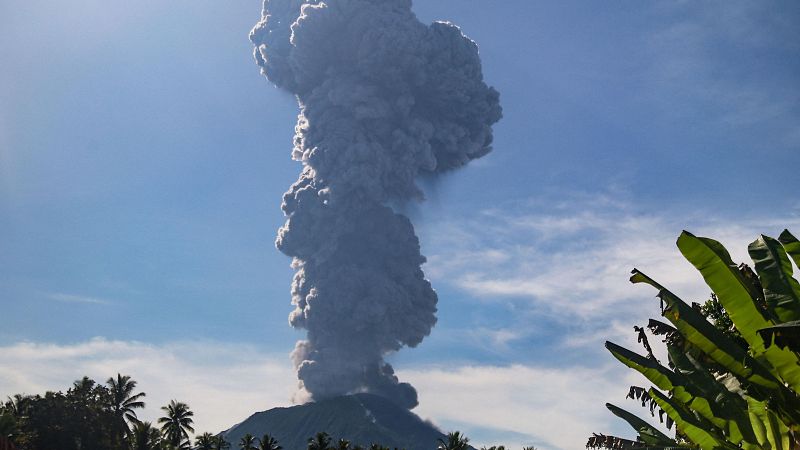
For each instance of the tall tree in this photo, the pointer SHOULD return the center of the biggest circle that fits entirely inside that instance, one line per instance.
(455, 441)
(177, 423)
(145, 436)
(221, 444)
(321, 441)
(123, 403)
(248, 442)
(8, 418)
(268, 442)
(204, 442)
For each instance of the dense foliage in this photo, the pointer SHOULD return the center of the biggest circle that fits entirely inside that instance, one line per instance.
(92, 416)
(732, 378)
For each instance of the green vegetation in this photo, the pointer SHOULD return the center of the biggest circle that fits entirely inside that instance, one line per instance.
(90, 416)
(268, 442)
(177, 424)
(248, 442)
(455, 441)
(205, 442)
(319, 442)
(732, 378)
(123, 404)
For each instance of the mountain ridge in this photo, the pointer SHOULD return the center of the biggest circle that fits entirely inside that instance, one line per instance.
(362, 419)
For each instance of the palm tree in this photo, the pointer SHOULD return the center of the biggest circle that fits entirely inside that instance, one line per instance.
(322, 441)
(221, 444)
(14, 405)
(204, 442)
(248, 442)
(11, 413)
(343, 444)
(145, 436)
(268, 443)
(455, 441)
(177, 423)
(123, 402)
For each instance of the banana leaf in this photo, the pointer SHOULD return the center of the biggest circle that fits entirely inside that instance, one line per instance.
(696, 431)
(771, 432)
(724, 395)
(781, 290)
(723, 277)
(700, 333)
(792, 246)
(648, 434)
(678, 385)
(784, 335)
(736, 295)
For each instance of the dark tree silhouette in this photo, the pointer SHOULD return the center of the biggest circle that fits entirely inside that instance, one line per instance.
(321, 441)
(177, 423)
(268, 442)
(205, 442)
(248, 442)
(123, 404)
(145, 436)
(455, 441)
(221, 444)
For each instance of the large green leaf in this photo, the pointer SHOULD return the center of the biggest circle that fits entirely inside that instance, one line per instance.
(723, 277)
(723, 395)
(678, 385)
(647, 433)
(771, 432)
(659, 375)
(785, 335)
(781, 290)
(693, 429)
(733, 358)
(735, 294)
(700, 333)
(792, 246)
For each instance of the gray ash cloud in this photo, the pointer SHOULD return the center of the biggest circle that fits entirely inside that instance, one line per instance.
(383, 100)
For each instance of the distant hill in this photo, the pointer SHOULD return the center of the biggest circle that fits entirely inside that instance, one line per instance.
(361, 418)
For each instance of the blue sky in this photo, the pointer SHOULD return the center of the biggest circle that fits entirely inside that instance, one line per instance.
(143, 158)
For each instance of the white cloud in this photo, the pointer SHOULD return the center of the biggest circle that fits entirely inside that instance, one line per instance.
(223, 383)
(571, 263)
(557, 408)
(70, 298)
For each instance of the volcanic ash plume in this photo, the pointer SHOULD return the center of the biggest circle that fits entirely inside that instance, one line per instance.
(383, 99)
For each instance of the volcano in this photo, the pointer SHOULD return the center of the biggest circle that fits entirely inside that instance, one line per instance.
(362, 419)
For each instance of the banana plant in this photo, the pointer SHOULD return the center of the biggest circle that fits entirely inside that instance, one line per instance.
(718, 392)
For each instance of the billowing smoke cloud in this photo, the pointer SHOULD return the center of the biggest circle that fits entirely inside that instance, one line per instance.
(383, 99)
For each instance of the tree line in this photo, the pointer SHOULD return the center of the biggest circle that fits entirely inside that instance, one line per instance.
(93, 416)
(323, 441)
